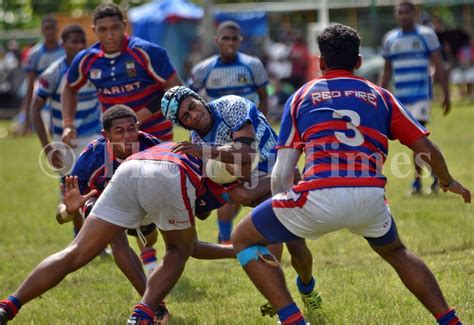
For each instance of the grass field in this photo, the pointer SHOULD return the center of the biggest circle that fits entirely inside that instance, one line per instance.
(357, 287)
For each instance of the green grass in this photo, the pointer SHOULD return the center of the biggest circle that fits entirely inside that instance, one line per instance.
(357, 287)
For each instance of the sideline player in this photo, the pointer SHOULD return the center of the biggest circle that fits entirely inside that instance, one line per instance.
(343, 123)
(230, 73)
(408, 51)
(125, 70)
(48, 97)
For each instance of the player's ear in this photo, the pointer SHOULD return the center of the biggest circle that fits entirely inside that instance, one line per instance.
(124, 22)
(138, 125)
(93, 28)
(104, 133)
(322, 63)
(359, 62)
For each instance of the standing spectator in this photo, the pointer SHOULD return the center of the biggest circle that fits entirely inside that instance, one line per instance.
(48, 97)
(125, 70)
(408, 51)
(41, 56)
(299, 56)
(345, 140)
(231, 73)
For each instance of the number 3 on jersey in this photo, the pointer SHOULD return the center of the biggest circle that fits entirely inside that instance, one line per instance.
(358, 138)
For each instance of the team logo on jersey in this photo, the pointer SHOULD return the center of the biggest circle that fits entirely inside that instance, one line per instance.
(416, 44)
(242, 78)
(95, 74)
(131, 69)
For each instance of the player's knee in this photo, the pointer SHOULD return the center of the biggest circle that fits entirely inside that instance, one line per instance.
(239, 195)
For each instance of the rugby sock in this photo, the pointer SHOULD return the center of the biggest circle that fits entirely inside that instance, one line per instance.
(11, 305)
(305, 288)
(144, 312)
(291, 315)
(448, 318)
(225, 229)
(149, 260)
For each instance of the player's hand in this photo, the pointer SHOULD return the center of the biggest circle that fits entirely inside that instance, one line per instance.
(187, 148)
(70, 136)
(446, 106)
(72, 196)
(457, 188)
(55, 159)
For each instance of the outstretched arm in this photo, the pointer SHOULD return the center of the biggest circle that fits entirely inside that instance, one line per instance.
(284, 170)
(430, 153)
(72, 195)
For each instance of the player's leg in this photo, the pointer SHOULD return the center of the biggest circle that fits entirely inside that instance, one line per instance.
(225, 218)
(128, 262)
(417, 277)
(210, 251)
(146, 237)
(91, 240)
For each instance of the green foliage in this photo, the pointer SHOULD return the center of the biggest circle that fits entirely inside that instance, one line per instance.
(357, 287)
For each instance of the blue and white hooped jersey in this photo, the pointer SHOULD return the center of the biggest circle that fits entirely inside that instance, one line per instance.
(134, 77)
(241, 77)
(88, 115)
(230, 114)
(409, 54)
(40, 57)
(343, 124)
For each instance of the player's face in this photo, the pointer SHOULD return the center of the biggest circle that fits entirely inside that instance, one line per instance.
(123, 135)
(50, 32)
(111, 33)
(194, 115)
(228, 41)
(406, 17)
(74, 44)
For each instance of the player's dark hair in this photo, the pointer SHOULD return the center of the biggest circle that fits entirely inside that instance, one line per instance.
(339, 46)
(107, 10)
(49, 19)
(408, 4)
(228, 24)
(115, 112)
(71, 29)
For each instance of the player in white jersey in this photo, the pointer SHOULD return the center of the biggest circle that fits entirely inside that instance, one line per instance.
(230, 73)
(408, 51)
(48, 96)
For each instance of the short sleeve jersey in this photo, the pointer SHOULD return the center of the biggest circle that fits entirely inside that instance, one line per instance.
(343, 124)
(241, 77)
(87, 120)
(134, 77)
(40, 57)
(230, 114)
(409, 54)
(96, 164)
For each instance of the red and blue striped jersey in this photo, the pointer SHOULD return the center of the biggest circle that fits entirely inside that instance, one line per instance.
(191, 165)
(133, 77)
(96, 164)
(343, 124)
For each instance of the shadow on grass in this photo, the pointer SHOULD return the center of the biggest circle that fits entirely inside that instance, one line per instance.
(317, 318)
(187, 290)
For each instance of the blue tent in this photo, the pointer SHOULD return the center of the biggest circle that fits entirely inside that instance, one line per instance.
(172, 24)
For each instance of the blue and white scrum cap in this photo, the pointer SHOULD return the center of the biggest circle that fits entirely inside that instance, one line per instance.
(173, 98)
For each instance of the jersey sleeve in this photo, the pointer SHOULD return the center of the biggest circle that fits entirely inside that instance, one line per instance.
(403, 126)
(431, 40)
(158, 62)
(198, 73)
(32, 60)
(82, 170)
(236, 111)
(386, 42)
(259, 72)
(48, 81)
(77, 74)
(289, 136)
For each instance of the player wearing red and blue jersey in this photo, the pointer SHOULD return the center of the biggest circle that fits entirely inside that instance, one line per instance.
(125, 70)
(342, 123)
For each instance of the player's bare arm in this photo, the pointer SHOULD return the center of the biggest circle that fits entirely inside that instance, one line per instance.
(69, 106)
(263, 96)
(431, 154)
(387, 74)
(443, 78)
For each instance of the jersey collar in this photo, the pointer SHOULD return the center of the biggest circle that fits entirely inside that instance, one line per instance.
(338, 73)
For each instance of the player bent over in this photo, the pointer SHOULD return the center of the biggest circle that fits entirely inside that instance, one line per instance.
(344, 133)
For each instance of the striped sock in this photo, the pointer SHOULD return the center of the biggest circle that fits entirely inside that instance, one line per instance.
(291, 315)
(11, 305)
(305, 288)
(144, 312)
(225, 229)
(149, 260)
(448, 318)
